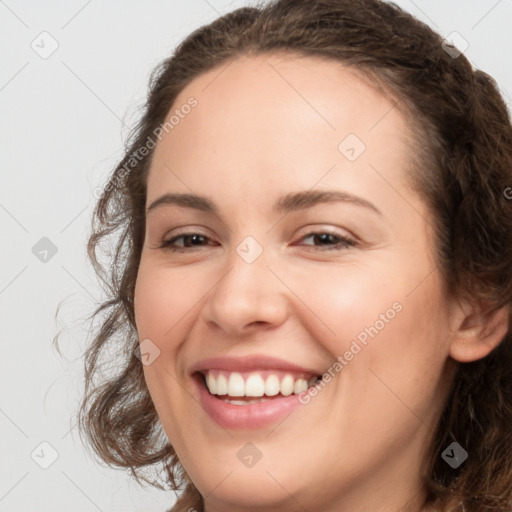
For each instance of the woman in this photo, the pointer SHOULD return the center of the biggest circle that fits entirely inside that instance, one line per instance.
(312, 278)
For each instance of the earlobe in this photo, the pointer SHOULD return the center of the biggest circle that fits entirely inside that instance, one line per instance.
(480, 331)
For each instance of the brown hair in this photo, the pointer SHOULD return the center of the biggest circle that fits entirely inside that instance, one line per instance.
(463, 169)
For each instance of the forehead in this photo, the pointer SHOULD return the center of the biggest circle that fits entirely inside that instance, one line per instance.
(279, 120)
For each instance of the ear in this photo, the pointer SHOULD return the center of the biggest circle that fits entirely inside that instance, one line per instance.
(477, 329)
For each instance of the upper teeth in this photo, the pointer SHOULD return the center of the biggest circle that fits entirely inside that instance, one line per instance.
(255, 384)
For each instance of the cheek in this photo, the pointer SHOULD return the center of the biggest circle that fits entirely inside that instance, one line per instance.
(163, 300)
(347, 300)
(378, 319)
(400, 368)
(392, 345)
(161, 308)
(165, 311)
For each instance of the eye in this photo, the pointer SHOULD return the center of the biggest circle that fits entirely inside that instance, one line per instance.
(330, 241)
(190, 240)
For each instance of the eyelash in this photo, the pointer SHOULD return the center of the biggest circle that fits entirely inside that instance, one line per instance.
(343, 242)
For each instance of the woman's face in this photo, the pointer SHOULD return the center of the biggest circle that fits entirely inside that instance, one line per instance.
(307, 254)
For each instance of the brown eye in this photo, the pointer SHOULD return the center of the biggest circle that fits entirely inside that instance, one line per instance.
(330, 241)
(189, 240)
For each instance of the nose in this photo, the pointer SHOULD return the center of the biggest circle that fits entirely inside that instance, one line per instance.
(249, 297)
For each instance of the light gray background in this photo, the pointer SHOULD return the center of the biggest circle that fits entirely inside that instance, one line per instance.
(62, 124)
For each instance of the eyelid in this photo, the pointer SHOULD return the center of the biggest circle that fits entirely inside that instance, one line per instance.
(187, 230)
(192, 230)
(323, 228)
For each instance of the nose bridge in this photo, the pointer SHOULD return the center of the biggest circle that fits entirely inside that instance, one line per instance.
(248, 293)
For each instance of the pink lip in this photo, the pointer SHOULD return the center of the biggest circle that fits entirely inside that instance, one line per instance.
(249, 363)
(249, 416)
(244, 416)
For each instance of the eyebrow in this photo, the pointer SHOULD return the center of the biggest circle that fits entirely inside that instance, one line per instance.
(289, 202)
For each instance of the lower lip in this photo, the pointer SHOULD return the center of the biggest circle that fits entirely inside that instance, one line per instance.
(248, 416)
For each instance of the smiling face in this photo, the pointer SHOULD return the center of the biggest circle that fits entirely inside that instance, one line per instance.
(307, 254)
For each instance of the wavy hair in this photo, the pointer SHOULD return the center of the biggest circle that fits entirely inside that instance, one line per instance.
(463, 171)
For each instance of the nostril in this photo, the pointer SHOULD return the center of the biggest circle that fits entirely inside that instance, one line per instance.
(256, 323)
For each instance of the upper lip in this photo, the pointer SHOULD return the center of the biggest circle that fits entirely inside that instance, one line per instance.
(250, 363)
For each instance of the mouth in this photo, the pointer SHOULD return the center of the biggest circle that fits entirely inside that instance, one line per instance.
(250, 392)
(244, 388)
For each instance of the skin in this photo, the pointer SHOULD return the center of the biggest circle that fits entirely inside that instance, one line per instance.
(266, 126)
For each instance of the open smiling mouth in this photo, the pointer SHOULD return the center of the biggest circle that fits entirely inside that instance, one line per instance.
(243, 388)
(251, 392)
